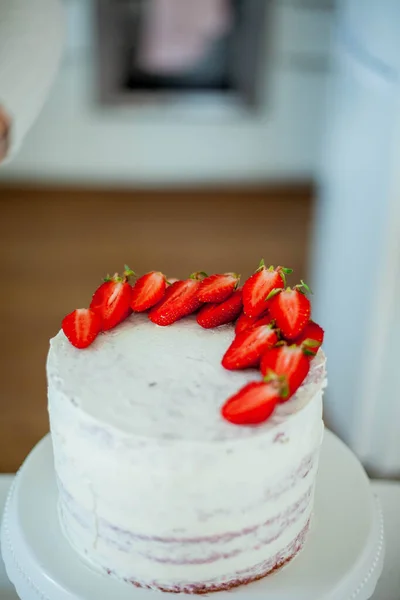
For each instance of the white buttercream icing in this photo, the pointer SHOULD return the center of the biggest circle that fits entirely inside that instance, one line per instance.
(154, 485)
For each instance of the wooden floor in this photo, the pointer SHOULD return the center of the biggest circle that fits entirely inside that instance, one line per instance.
(56, 245)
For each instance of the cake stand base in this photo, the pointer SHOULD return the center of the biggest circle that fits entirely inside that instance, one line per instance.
(342, 558)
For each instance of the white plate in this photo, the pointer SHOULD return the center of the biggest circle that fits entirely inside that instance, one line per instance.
(342, 558)
(7, 590)
(388, 587)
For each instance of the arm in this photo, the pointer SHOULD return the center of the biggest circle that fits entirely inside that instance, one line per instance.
(31, 39)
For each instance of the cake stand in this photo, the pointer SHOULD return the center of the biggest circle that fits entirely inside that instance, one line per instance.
(342, 559)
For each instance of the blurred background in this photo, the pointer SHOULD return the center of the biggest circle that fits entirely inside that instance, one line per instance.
(183, 139)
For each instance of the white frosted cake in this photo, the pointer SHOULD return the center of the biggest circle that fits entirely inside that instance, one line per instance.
(155, 487)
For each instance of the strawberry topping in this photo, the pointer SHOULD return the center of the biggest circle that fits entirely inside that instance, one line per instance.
(180, 300)
(288, 364)
(148, 291)
(290, 309)
(214, 315)
(259, 285)
(248, 347)
(311, 339)
(112, 300)
(217, 288)
(269, 318)
(251, 405)
(81, 327)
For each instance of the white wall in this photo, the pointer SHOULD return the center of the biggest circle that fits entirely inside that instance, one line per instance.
(357, 251)
(77, 140)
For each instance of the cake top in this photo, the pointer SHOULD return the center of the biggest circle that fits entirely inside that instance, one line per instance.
(143, 376)
(164, 382)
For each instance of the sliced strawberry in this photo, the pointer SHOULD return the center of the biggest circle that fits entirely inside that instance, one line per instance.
(179, 301)
(248, 347)
(81, 327)
(218, 288)
(259, 285)
(244, 322)
(112, 300)
(290, 309)
(251, 405)
(216, 314)
(311, 339)
(288, 364)
(148, 291)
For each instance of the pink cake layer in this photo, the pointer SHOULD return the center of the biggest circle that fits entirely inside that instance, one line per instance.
(243, 577)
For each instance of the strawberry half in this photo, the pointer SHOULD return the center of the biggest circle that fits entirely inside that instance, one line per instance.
(214, 315)
(217, 288)
(290, 309)
(287, 364)
(81, 327)
(180, 300)
(259, 285)
(148, 291)
(248, 347)
(311, 339)
(251, 405)
(112, 300)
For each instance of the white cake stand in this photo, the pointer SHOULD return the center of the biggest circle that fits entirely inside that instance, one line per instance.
(342, 559)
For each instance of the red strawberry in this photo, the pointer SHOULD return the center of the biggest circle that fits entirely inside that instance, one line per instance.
(311, 339)
(244, 322)
(179, 301)
(148, 291)
(290, 309)
(259, 285)
(112, 300)
(248, 347)
(218, 288)
(214, 315)
(251, 405)
(81, 327)
(288, 364)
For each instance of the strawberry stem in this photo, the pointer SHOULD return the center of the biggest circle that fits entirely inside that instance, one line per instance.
(128, 272)
(270, 376)
(309, 352)
(235, 275)
(284, 390)
(302, 287)
(280, 381)
(283, 271)
(198, 275)
(273, 293)
(310, 343)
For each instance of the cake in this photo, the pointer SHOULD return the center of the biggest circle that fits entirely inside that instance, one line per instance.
(156, 488)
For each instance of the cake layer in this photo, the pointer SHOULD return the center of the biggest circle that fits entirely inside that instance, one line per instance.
(154, 486)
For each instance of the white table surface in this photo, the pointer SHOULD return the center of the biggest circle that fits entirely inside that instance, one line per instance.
(389, 585)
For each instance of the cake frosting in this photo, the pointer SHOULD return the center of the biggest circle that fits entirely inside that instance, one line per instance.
(155, 487)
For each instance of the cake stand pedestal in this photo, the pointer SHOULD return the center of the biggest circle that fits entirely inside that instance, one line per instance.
(342, 559)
